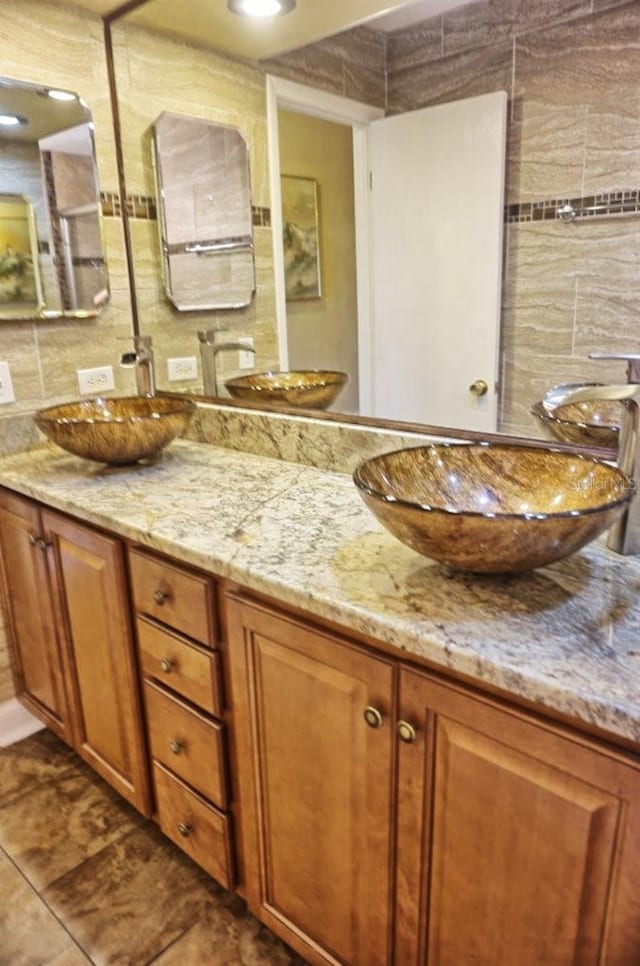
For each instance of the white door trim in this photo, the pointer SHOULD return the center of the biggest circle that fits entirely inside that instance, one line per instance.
(342, 110)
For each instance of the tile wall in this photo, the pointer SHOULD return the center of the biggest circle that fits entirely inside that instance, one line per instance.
(571, 70)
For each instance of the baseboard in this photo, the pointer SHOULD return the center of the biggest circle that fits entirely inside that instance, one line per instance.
(16, 723)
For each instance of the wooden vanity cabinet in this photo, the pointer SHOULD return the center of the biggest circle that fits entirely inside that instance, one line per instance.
(66, 595)
(39, 663)
(176, 625)
(506, 840)
(313, 724)
(92, 612)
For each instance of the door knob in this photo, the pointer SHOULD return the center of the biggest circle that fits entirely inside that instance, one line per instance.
(479, 388)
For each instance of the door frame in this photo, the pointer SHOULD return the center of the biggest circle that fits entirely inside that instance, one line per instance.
(289, 95)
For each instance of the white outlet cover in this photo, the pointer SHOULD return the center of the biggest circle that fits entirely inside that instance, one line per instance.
(7, 394)
(94, 381)
(180, 369)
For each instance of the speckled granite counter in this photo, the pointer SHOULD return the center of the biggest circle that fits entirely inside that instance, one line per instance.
(567, 636)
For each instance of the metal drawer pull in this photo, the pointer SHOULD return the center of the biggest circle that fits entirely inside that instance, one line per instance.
(176, 746)
(159, 597)
(373, 717)
(166, 664)
(184, 828)
(406, 732)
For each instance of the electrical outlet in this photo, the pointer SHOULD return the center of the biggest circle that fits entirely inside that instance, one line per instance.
(246, 360)
(180, 369)
(7, 394)
(96, 380)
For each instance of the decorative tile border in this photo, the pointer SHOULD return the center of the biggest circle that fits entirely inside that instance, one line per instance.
(144, 208)
(574, 209)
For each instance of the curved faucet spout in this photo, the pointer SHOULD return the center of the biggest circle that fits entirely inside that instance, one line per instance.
(624, 536)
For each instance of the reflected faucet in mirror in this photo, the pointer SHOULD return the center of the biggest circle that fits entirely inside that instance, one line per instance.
(209, 352)
(142, 360)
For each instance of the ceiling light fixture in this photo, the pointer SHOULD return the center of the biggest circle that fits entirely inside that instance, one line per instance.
(261, 8)
(61, 95)
(12, 120)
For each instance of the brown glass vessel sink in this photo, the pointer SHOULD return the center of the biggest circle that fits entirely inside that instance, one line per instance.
(593, 423)
(492, 508)
(305, 389)
(116, 430)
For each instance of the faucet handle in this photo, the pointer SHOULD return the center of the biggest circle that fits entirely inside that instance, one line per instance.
(631, 358)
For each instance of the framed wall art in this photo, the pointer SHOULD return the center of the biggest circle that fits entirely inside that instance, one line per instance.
(301, 240)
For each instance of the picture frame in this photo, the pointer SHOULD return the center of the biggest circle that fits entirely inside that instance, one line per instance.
(301, 238)
(20, 284)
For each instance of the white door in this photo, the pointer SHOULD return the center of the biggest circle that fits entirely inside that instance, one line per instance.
(437, 200)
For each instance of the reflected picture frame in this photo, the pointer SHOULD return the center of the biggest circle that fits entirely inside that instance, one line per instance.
(301, 238)
(20, 282)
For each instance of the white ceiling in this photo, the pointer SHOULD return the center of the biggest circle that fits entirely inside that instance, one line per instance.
(209, 22)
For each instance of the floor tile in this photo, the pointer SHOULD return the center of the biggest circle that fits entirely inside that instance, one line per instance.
(30, 762)
(131, 900)
(56, 825)
(29, 934)
(228, 937)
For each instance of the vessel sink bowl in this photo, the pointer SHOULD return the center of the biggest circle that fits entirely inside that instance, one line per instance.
(305, 389)
(116, 430)
(492, 508)
(593, 423)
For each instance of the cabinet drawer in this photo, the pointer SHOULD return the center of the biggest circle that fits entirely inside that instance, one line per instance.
(186, 668)
(174, 596)
(187, 743)
(200, 830)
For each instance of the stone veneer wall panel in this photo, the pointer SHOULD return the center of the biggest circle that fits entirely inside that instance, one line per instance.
(351, 64)
(574, 131)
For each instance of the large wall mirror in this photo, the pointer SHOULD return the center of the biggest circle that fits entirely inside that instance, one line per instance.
(571, 209)
(51, 253)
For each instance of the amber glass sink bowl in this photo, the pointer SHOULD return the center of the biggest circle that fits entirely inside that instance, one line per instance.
(116, 430)
(306, 389)
(492, 508)
(593, 423)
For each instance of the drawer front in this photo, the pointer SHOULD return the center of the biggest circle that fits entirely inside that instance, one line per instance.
(187, 743)
(196, 827)
(186, 668)
(174, 596)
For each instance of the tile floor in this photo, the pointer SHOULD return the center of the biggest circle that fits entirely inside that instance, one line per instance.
(85, 879)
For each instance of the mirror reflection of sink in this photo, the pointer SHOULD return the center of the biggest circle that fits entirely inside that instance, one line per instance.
(305, 388)
(592, 423)
(116, 430)
(492, 508)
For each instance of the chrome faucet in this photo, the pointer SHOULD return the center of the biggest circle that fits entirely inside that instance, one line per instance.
(631, 358)
(142, 359)
(624, 535)
(209, 352)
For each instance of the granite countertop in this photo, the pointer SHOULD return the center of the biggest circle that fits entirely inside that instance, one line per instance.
(566, 636)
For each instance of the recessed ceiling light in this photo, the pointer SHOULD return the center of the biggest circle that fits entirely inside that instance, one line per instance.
(12, 120)
(61, 95)
(260, 8)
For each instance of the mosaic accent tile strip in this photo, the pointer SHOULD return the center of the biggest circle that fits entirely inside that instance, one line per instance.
(573, 209)
(144, 208)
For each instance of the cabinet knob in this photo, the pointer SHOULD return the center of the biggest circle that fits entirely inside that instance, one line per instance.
(406, 732)
(479, 388)
(373, 717)
(159, 597)
(44, 544)
(176, 746)
(32, 539)
(184, 828)
(166, 664)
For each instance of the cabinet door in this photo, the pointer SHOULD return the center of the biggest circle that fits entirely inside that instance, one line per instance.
(37, 659)
(315, 784)
(517, 842)
(93, 605)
